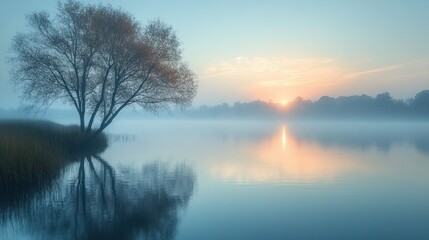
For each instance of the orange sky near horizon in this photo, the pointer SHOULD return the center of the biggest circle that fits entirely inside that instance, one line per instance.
(281, 80)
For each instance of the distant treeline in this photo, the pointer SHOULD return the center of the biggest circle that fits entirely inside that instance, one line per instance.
(383, 106)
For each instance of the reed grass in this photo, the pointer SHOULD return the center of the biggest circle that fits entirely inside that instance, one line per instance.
(32, 153)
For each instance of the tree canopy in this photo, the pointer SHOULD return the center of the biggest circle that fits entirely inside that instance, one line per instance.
(101, 60)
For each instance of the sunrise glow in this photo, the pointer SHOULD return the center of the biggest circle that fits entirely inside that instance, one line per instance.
(280, 159)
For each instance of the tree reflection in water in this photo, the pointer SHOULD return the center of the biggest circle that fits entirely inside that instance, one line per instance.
(96, 202)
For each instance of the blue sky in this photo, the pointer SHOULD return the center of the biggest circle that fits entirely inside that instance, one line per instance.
(276, 50)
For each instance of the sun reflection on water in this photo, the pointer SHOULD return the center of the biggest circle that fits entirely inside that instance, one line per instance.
(283, 159)
(284, 138)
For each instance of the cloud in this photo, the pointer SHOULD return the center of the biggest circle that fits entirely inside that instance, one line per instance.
(295, 71)
(371, 71)
(281, 78)
(278, 71)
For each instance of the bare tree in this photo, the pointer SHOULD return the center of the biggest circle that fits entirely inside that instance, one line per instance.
(100, 60)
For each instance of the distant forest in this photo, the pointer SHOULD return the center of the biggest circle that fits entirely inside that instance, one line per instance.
(383, 107)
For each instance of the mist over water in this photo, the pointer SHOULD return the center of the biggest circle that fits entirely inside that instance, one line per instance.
(239, 180)
(282, 120)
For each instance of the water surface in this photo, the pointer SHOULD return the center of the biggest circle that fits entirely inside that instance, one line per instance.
(239, 180)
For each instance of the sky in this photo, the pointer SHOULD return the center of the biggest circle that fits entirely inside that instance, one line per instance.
(274, 50)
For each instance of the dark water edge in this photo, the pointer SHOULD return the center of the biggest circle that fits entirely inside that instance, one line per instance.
(33, 154)
(51, 188)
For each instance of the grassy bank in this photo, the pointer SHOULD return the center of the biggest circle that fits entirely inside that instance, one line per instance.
(32, 153)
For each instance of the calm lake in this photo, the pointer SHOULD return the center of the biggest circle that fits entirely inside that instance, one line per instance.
(238, 180)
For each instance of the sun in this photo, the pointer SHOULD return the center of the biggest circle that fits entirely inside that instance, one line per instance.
(283, 102)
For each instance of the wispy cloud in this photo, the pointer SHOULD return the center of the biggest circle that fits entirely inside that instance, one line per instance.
(280, 79)
(293, 72)
(357, 74)
(277, 71)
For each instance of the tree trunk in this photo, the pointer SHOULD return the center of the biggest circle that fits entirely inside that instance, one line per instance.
(82, 125)
(92, 135)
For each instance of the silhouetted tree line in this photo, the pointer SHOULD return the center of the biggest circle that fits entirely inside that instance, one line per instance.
(381, 106)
